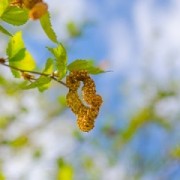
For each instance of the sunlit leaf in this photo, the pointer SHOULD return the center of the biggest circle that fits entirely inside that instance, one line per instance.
(73, 30)
(3, 122)
(136, 122)
(78, 136)
(4, 31)
(37, 153)
(19, 142)
(88, 65)
(15, 16)
(175, 153)
(60, 55)
(47, 27)
(66, 172)
(88, 163)
(3, 81)
(2, 176)
(18, 56)
(3, 5)
(15, 44)
(48, 67)
(43, 82)
(62, 100)
(164, 123)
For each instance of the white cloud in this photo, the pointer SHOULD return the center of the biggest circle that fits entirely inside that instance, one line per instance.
(115, 173)
(119, 44)
(157, 30)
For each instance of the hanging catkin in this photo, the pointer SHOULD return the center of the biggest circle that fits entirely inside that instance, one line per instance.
(86, 115)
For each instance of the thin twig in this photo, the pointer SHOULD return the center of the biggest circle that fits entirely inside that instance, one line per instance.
(59, 81)
(35, 72)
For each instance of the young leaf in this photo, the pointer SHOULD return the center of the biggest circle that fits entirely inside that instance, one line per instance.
(4, 31)
(15, 44)
(60, 55)
(49, 66)
(2, 176)
(137, 122)
(15, 16)
(47, 27)
(43, 82)
(175, 153)
(19, 142)
(18, 55)
(3, 5)
(73, 29)
(88, 65)
(65, 170)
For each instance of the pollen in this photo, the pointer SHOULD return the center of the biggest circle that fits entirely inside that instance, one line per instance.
(86, 115)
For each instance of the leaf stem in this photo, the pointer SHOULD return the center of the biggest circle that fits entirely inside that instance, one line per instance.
(35, 72)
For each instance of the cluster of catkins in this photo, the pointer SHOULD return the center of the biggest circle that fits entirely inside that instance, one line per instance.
(86, 115)
(37, 8)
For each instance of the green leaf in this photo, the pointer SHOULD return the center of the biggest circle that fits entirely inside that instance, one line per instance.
(37, 154)
(60, 55)
(65, 171)
(88, 65)
(47, 27)
(15, 44)
(3, 5)
(137, 122)
(73, 30)
(18, 56)
(2, 176)
(162, 122)
(3, 81)
(175, 153)
(49, 66)
(62, 100)
(15, 16)
(4, 31)
(3, 123)
(43, 82)
(19, 142)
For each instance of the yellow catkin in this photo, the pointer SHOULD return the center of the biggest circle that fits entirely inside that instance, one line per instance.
(38, 11)
(86, 115)
(73, 101)
(85, 121)
(72, 84)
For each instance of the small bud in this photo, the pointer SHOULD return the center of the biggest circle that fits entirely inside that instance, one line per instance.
(55, 74)
(2, 60)
(27, 76)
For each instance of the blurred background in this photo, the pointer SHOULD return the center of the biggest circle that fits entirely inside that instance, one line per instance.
(137, 133)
